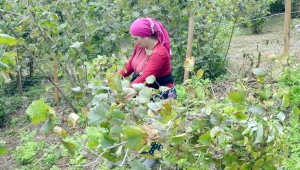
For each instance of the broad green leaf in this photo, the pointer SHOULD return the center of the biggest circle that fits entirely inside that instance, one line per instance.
(150, 79)
(7, 40)
(178, 139)
(260, 134)
(278, 127)
(76, 45)
(138, 165)
(246, 166)
(94, 133)
(215, 131)
(200, 73)
(237, 96)
(3, 66)
(47, 126)
(3, 77)
(241, 116)
(268, 166)
(155, 106)
(115, 83)
(9, 58)
(70, 147)
(137, 87)
(257, 110)
(285, 102)
(145, 95)
(184, 147)
(136, 136)
(130, 93)
(141, 111)
(117, 114)
(38, 111)
(284, 58)
(107, 142)
(115, 132)
(3, 150)
(98, 114)
(261, 72)
(216, 118)
(281, 116)
(205, 139)
(72, 119)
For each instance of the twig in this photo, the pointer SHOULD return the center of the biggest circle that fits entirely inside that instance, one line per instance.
(212, 89)
(10, 12)
(99, 156)
(124, 158)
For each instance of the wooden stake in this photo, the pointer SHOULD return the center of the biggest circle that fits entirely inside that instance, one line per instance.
(287, 22)
(55, 68)
(19, 76)
(189, 45)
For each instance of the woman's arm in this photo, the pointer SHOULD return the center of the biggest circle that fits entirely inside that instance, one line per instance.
(128, 66)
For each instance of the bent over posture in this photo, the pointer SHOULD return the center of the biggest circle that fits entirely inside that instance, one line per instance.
(151, 56)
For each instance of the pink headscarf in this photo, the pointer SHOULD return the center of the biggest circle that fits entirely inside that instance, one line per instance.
(145, 27)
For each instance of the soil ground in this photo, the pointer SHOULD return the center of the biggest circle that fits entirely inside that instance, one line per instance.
(244, 52)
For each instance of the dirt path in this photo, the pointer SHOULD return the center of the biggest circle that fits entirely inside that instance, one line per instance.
(244, 47)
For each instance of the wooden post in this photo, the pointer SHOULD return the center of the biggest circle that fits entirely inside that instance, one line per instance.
(287, 22)
(19, 76)
(189, 45)
(55, 75)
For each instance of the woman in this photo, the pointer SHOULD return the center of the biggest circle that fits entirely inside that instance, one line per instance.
(151, 56)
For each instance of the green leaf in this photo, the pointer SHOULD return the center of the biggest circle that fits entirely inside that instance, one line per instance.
(261, 72)
(268, 166)
(241, 116)
(205, 139)
(150, 79)
(237, 96)
(94, 133)
(115, 132)
(260, 134)
(199, 73)
(47, 126)
(155, 106)
(38, 111)
(178, 139)
(138, 165)
(3, 77)
(98, 114)
(216, 118)
(136, 136)
(257, 110)
(285, 102)
(107, 142)
(115, 83)
(278, 127)
(215, 131)
(284, 58)
(281, 116)
(117, 114)
(70, 147)
(141, 111)
(3, 150)
(76, 44)
(145, 95)
(7, 40)
(3, 66)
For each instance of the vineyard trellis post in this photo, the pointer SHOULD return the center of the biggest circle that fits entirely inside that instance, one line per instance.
(55, 76)
(287, 22)
(189, 45)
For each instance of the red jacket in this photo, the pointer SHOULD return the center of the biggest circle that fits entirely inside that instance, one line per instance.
(158, 65)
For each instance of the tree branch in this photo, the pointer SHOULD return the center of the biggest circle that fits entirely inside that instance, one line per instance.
(41, 70)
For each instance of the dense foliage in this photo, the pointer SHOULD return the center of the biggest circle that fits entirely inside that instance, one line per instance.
(243, 129)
